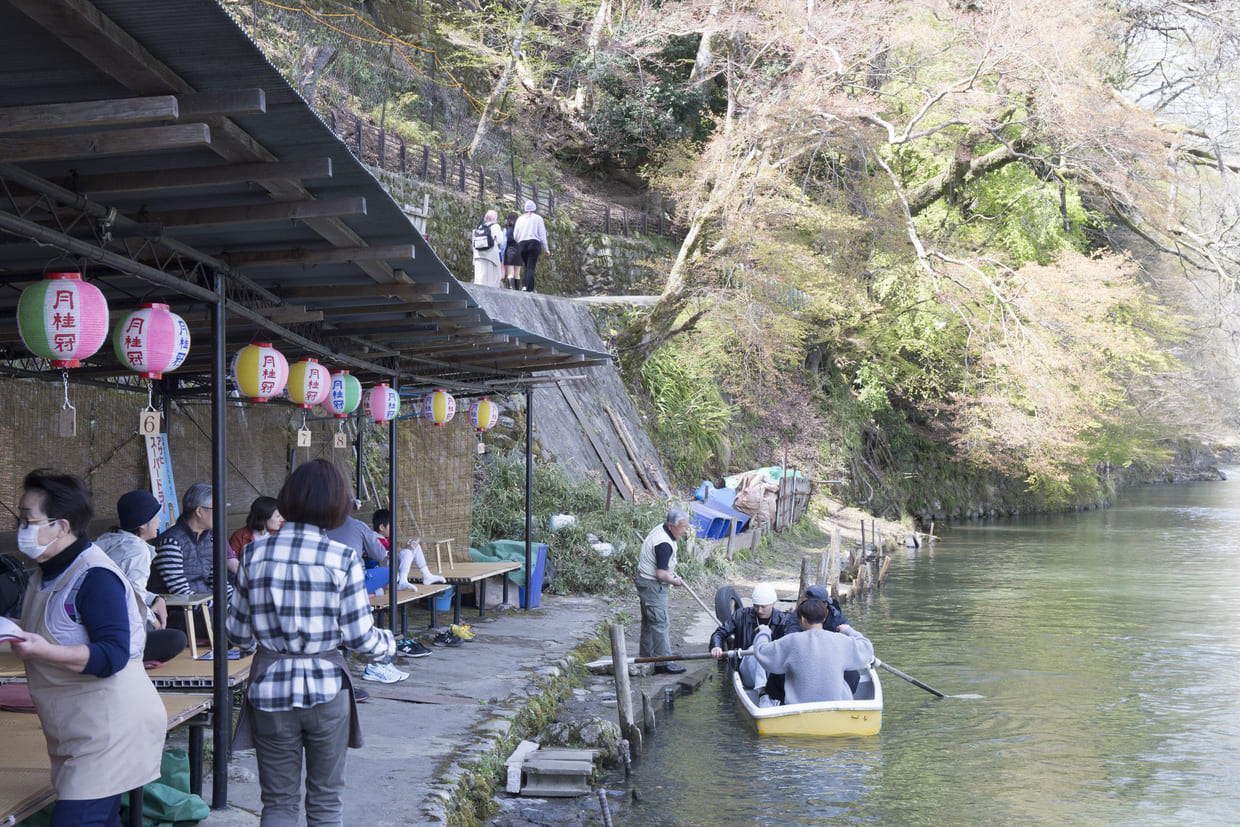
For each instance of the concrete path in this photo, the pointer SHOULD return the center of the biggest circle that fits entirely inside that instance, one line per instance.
(458, 703)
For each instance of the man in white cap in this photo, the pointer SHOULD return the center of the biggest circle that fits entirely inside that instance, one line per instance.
(739, 630)
(530, 233)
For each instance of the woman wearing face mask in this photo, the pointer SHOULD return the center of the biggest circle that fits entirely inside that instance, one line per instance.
(84, 634)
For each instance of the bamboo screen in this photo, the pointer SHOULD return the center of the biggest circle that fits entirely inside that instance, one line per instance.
(435, 481)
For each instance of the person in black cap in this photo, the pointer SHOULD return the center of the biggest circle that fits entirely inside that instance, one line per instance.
(835, 622)
(138, 515)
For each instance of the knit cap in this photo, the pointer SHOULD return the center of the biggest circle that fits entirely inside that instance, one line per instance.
(136, 508)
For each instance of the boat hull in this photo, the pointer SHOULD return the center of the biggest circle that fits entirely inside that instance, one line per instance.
(861, 716)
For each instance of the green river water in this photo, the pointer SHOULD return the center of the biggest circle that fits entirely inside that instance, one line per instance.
(1104, 646)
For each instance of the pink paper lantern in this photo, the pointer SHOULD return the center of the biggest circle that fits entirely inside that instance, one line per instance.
(483, 414)
(260, 371)
(382, 403)
(63, 318)
(152, 341)
(309, 383)
(345, 395)
(439, 407)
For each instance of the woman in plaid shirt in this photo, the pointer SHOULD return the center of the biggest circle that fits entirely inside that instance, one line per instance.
(300, 596)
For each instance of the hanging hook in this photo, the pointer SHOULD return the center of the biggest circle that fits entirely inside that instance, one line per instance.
(303, 420)
(67, 406)
(150, 396)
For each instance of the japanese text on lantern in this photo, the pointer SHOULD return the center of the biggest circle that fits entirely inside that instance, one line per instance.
(64, 342)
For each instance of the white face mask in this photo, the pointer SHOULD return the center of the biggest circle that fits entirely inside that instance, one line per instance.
(28, 542)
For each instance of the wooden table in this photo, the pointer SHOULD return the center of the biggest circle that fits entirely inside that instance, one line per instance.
(182, 672)
(404, 598)
(462, 574)
(25, 768)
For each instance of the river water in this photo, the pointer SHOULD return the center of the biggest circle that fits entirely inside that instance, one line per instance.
(1104, 646)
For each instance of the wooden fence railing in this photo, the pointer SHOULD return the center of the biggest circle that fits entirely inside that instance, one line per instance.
(393, 153)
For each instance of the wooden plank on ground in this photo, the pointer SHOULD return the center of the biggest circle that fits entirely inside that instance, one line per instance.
(627, 442)
(625, 490)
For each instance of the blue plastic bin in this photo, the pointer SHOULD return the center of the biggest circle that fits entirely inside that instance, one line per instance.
(443, 600)
(535, 581)
(710, 520)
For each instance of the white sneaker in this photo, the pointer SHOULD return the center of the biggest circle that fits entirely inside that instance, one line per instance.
(376, 672)
(430, 579)
(400, 674)
(406, 586)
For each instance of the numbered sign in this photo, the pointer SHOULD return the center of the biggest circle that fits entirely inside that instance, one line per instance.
(148, 423)
(340, 441)
(303, 438)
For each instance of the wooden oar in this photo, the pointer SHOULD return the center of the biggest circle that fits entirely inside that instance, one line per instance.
(908, 678)
(701, 603)
(740, 653)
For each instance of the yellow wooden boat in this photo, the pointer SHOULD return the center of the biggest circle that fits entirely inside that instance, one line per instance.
(863, 715)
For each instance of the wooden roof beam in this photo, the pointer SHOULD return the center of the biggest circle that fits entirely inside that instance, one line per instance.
(326, 255)
(107, 142)
(413, 292)
(267, 211)
(87, 113)
(205, 176)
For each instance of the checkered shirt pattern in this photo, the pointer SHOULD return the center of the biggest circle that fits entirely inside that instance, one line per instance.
(300, 592)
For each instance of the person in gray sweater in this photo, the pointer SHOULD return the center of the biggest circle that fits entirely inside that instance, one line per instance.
(813, 660)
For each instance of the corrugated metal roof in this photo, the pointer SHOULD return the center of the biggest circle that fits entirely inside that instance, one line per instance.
(185, 207)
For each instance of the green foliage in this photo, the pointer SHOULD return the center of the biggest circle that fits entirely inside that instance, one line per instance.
(640, 105)
(499, 513)
(690, 414)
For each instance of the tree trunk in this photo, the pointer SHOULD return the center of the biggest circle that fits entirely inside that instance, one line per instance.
(601, 16)
(501, 87)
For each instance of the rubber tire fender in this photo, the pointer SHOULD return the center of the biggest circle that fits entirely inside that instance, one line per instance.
(727, 601)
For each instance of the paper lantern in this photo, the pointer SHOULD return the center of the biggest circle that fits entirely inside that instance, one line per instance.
(63, 318)
(309, 383)
(152, 341)
(344, 396)
(382, 403)
(483, 414)
(439, 407)
(260, 371)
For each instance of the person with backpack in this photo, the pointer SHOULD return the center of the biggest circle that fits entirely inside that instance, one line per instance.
(487, 240)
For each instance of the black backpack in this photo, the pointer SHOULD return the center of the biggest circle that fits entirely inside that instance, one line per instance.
(13, 579)
(483, 240)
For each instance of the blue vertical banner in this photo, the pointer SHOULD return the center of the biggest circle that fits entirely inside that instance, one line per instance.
(159, 463)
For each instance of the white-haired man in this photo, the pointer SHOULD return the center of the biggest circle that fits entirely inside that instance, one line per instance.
(656, 574)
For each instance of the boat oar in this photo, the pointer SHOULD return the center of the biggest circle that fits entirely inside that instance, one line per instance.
(740, 653)
(908, 678)
(701, 603)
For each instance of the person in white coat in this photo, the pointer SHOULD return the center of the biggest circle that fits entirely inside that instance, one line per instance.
(488, 264)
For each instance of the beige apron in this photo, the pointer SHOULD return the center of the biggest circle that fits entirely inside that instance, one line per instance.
(264, 658)
(105, 736)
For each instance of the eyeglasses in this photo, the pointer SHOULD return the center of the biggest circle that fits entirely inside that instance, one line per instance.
(23, 522)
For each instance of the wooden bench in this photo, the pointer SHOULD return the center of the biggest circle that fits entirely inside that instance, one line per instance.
(25, 768)
(379, 605)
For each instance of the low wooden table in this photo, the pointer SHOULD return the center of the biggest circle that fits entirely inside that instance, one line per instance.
(186, 672)
(462, 574)
(404, 598)
(25, 769)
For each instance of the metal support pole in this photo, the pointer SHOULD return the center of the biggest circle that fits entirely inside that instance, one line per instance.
(529, 499)
(392, 542)
(360, 442)
(222, 731)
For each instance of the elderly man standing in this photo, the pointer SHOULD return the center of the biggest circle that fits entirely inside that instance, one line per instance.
(656, 573)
